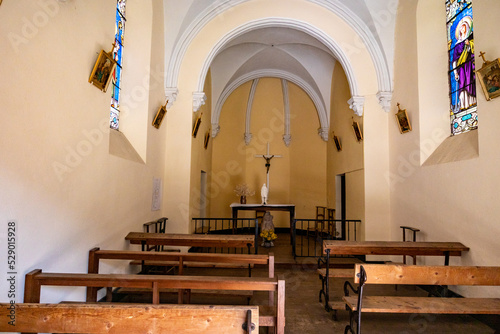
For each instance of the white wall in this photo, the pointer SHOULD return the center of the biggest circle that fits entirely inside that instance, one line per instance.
(453, 201)
(58, 180)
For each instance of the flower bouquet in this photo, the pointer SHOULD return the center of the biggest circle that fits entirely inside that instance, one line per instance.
(268, 236)
(242, 191)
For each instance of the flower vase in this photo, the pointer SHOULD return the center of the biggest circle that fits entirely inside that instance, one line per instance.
(243, 200)
(267, 244)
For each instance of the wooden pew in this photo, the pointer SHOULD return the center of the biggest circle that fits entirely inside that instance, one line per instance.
(273, 315)
(419, 275)
(130, 319)
(191, 240)
(180, 260)
(339, 247)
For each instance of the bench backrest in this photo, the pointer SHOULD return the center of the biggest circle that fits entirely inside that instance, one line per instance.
(428, 275)
(131, 319)
(36, 279)
(96, 254)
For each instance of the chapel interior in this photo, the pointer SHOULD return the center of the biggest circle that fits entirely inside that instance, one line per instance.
(313, 85)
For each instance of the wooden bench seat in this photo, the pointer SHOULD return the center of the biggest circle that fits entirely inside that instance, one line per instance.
(190, 264)
(130, 319)
(419, 275)
(36, 279)
(436, 305)
(120, 293)
(333, 272)
(181, 259)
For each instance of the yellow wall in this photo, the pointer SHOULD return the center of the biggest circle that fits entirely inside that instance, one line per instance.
(349, 160)
(201, 157)
(298, 177)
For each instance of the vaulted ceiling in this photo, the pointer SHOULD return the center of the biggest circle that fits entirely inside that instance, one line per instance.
(278, 51)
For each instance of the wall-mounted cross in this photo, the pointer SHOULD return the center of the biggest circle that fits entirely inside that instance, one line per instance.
(268, 158)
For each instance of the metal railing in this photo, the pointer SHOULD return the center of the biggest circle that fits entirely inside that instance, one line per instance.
(242, 226)
(308, 234)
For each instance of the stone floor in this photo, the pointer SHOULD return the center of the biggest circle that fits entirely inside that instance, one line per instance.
(305, 314)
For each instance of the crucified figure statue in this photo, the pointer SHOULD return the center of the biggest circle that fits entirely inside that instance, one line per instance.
(268, 161)
(268, 158)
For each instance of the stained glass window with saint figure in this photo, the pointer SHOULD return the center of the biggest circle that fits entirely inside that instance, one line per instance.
(461, 72)
(118, 56)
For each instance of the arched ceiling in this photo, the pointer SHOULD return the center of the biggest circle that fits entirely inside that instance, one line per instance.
(281, 52)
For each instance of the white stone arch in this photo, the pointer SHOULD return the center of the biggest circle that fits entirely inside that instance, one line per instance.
(283, 22)
(317, 100)
(360, 28)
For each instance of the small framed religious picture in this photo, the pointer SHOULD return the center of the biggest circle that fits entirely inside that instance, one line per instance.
(159, 116)
(338, 145)
(196, 125)
(403, 120)
(489, 77)
(357, 130)
(207, 139)
(103, 69)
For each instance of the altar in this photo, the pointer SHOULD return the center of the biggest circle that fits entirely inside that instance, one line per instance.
(235, 207)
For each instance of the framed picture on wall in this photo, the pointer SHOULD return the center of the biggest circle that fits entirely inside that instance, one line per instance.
(403, 120)
(103, 69)
(338, 145)
(357, 130)
(207, 139)
(196, 125)
(489, 77)
(160, 114)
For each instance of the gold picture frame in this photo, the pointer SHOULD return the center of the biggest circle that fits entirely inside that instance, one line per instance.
(103, 69)
(207, 139)
(489, 77)
(357, 131)
(160, 114)
(196, 125)
(403, 120)
(337, 142)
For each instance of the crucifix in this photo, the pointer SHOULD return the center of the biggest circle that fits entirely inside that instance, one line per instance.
(268, 158)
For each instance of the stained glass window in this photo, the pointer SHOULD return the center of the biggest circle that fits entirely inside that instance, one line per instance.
(461, 75)
(117, 55)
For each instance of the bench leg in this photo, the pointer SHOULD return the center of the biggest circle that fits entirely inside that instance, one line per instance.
(349, 329)
(322, 291)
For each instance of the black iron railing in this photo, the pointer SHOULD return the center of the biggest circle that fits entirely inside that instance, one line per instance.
(308, 234)
(248, 226)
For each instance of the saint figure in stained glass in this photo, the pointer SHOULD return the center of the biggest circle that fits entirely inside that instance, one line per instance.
(462, 78)
(118, 56)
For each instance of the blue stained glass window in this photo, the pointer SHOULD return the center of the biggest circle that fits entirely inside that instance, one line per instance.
(462, 78)
(118, 56)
